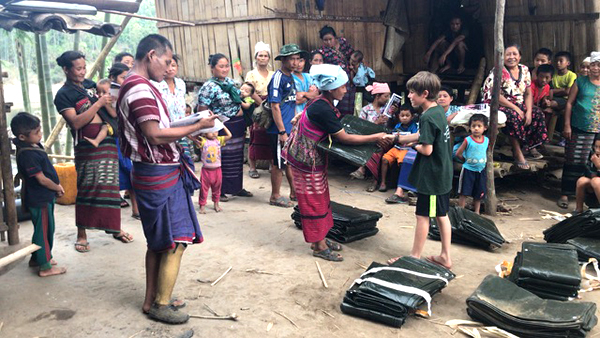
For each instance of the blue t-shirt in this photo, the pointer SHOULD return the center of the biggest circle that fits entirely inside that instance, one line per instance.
(282, 90)
(302, 85)
(475, 154)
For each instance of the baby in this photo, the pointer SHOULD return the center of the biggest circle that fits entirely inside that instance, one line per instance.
(102, 88)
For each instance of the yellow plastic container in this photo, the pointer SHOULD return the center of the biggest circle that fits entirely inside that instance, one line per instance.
(68, 179)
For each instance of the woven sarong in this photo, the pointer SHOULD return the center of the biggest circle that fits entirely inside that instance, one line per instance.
(260, 147)
(312, 192)
(98, 204)
(577, 152)
(166, 206)
(232, 157)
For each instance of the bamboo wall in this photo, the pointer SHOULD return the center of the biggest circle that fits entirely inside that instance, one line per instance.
(237, 39)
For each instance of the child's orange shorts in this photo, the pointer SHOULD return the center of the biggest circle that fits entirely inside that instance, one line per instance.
(395, 154)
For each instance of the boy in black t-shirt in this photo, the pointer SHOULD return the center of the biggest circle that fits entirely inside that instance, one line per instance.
(41, 186)
(432, 171)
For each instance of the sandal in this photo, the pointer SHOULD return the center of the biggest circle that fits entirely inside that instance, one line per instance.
(293, 198)
(281, 202)
(123, 237)
(331, 245)
(372, 187)
(328, 255)
(253, 173)
(357, 174)
(244, 193)
(82, 247)
(383, 188)
(535, 154)
(223, 198)
(136, 216)
(395, 199)
(563, 203)
(522, 165)
(167, 314)
(124, 203)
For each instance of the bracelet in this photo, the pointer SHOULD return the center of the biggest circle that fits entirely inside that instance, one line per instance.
(396, 138)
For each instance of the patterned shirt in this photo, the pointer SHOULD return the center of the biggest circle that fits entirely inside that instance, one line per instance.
(370, 114)
(139, 101)
(512, 89)
(175, 101)
(218, 101)
(339, 56)
(475, 154)
(211, 152)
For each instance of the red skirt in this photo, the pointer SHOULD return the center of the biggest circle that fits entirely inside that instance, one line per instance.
(260, 148)
(312, 192)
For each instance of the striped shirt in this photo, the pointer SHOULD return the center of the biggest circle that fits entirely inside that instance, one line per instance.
(139, 101)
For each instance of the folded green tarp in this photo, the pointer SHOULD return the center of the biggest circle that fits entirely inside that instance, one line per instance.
(388, 294)
(549, 270)
(357, 155)
(349, 223)
(469, 228)
(586, 224)
(500, 303)
(586, 248)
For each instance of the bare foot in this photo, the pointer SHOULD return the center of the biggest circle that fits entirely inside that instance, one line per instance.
(460, 69)
(443, 69)
(218, 208)
(202, 210)
(53, 271)
(439, 260)
(392, 260)
(92, 141)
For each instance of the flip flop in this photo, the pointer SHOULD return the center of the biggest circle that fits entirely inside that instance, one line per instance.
(124, 203)
(331, 245)
(83, 247)
(281, 202)
(253, 174)
(372, 187)
(136, 216)
(357, 175)
(293, 198)
(563, 204)
(124, 237)
(395, 199)
(522, 165)
(328, 255)
(433, 260)
(244, 193)
(383, 188)
(167, 314)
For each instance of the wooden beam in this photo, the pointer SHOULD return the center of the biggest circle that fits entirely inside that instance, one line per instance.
(491, 202)
(177, 22)
(7, 176)
(547, 18)
(62, 157)
(282, 16)
(101, 5)
(54, 134)
(15, 256)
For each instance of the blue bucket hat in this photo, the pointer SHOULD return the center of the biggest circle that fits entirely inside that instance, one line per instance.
(328, 77)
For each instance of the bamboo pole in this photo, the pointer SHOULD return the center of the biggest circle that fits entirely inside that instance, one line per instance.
(22, 64)
(477, 82)
(7, 176)
(48, 90)
(104, 42)
(107, 48)
(55, 133)
(42, 85)
(15, 256)
(183, 23)
(491, 202)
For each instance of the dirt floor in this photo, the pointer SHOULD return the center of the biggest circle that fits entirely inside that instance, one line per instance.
(102, 292)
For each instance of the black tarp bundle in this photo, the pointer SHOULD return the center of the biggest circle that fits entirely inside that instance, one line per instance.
(501, 303)
(388, 294)
(349, 223)
(549, 270)
(469, 228)
(356, 154)
(586, 224)
(586, 248)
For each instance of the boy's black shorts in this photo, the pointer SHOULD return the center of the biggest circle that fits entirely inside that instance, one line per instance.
(432, 205)
(472, 183)
(273, 140)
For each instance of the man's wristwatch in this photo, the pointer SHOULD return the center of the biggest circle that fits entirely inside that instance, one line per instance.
(282, 132)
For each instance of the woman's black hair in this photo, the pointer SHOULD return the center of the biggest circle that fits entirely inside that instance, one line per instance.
(514, 44)
(327, 30)
(313, 53)
(66, 59)
(116, 70)
(213, 59)
(448, 90)
(176, 58)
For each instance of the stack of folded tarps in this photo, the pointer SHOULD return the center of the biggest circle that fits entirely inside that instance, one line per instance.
(356, 154)
(586, 224)
(349, 223)
(549, 270)
(500, 303)
(388, 294)
(469, 228)
(586, 248)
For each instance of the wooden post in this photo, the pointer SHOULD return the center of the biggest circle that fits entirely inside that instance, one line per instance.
(477, 82)
(491, 202)
(107, 48)
(7, 176)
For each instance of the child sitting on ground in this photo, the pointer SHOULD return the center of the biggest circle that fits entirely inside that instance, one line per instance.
(406, 126)
(473, 151)
(542, 57)
(584, 67)
(211, 176)
(432, 170)
(562, 81)
(591, 181)
(102, 88)
(248, 104)
(40, 187)
(540, 90)
(444, 99)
